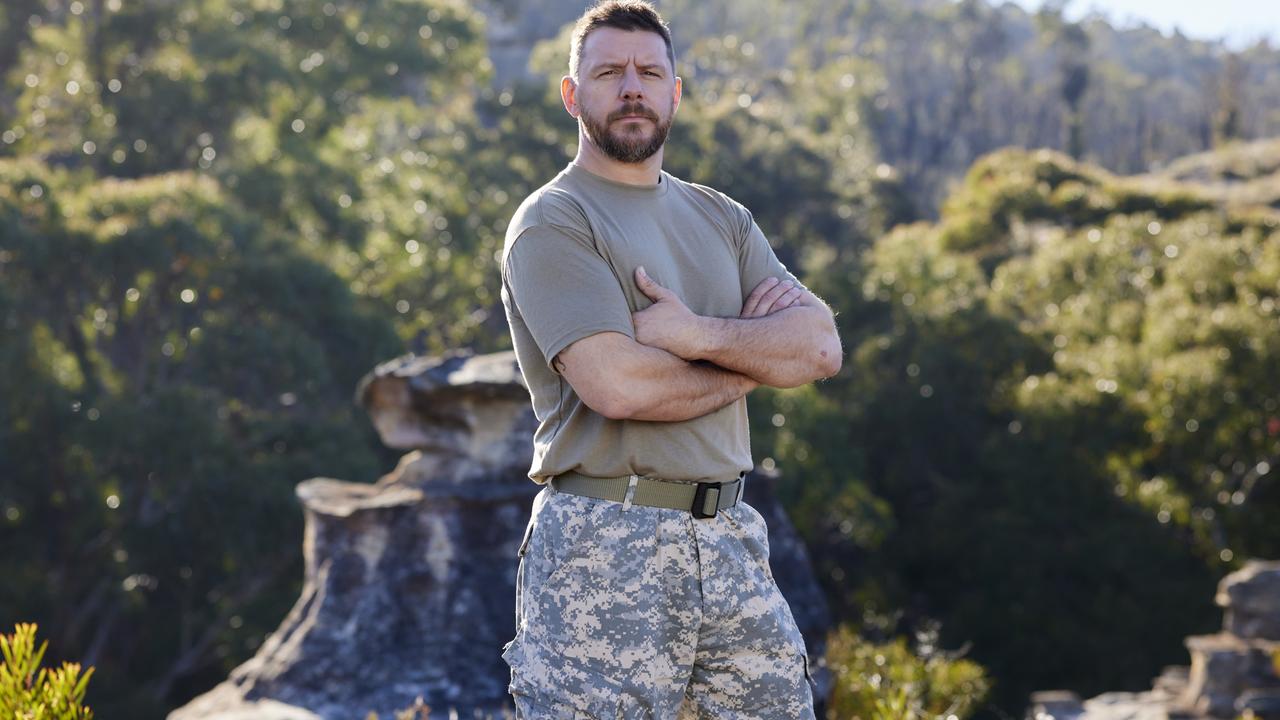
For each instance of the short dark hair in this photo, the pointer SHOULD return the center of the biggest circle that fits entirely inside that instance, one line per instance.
(623, 15)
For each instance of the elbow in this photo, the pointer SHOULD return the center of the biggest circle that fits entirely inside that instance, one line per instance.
(830, 359)
(828, 356)
(612, 403)
(824, 361)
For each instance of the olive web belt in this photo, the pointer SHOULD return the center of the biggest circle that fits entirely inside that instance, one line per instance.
(703, 499)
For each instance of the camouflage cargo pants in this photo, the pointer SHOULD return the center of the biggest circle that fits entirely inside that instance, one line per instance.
(648, 613)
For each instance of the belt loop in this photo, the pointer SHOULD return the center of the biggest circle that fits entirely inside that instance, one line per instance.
(631, 492)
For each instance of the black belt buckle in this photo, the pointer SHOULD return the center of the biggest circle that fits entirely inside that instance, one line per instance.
(700, 499)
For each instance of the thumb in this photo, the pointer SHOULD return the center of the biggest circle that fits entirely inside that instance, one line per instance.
(649, 286)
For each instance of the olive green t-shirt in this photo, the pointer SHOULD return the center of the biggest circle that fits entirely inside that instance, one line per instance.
(568, 269)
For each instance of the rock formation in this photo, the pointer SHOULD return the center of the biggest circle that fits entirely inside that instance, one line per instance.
(410, 581)
(1234, 673)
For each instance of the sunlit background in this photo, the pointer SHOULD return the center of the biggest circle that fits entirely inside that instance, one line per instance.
(1239, 23)
(1050, 236)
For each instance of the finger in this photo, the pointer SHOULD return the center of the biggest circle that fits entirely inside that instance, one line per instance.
(770, 297)
(648, 285)
(753, 300)
(785, 301)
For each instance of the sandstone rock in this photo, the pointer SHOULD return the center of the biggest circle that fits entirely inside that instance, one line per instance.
(1055, 704)
(1223, 667)
(1231, 672)
(1130, 706)
(1262, 704)
(1251, 596)
(1172, 682)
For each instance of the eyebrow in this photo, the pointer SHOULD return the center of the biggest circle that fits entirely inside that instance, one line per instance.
(639, 66)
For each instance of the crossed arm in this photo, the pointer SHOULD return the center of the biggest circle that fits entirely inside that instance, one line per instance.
(682, 365)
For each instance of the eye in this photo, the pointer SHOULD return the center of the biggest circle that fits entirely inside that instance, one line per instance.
(652, 73)
(607, 72)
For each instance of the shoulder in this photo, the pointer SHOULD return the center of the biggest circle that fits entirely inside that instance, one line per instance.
(552, 206)
(714, 202)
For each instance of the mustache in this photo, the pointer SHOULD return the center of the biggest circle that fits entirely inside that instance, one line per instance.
(633, 109)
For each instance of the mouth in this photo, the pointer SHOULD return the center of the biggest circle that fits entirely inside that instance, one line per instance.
(634, 111)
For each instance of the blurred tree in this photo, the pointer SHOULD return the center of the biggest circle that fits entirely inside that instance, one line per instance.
(341, 124)
(1231, 86)
(217, 239)
(1069, 44)
(181, 370)
(17, 17)
(1057, 399)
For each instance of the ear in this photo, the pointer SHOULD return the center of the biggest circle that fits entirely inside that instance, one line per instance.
(569, 95)
(675, 102)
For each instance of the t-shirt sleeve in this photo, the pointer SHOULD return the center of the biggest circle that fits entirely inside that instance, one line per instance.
(756, 259)
(563, 289)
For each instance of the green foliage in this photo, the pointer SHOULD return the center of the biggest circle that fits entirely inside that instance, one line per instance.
(310, 116)
(31, 692)
(894, 681)
(1177, 370)
(181, 369)
(1012, 187)
(220, 215)
(1011, 427)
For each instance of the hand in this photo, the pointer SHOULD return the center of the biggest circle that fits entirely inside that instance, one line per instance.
(770, 296)
(668, 323)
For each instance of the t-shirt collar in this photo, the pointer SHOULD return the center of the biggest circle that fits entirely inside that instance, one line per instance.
(664, 181)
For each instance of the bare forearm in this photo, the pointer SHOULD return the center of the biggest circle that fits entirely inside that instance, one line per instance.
(665, 388)
(782, 348)
(625, 380)
(788, 348)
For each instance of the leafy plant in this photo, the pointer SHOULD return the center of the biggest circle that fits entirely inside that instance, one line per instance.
(893, 681)
(26, 694)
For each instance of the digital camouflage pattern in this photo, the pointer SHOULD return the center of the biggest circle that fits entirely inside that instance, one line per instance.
(648, 613)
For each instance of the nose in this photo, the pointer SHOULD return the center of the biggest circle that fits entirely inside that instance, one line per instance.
(631, 89)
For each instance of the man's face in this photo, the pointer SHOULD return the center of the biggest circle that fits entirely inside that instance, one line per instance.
(626, 94)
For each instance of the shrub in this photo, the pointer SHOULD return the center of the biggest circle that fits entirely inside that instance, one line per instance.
(46, 695)
(891, 681)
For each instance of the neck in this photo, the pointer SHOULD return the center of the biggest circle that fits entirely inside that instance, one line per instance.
(645, 172)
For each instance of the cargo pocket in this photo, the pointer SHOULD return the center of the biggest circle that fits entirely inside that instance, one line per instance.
(524, 542)
(802, 649)
(520, 573)
(753, 533)
(564, 534)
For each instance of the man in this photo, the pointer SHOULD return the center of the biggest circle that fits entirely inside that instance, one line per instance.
(643, 309)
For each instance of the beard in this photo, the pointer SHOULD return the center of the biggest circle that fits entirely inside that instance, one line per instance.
(625, 146)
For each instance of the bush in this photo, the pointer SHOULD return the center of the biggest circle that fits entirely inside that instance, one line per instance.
(48, 695)
(891, 681)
